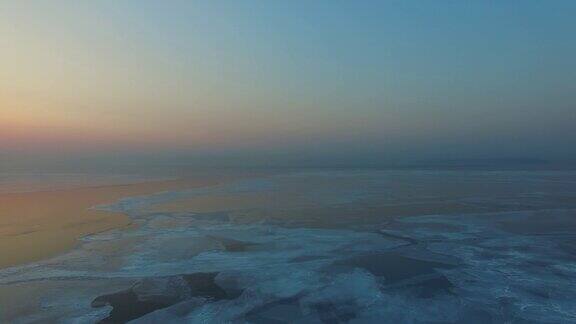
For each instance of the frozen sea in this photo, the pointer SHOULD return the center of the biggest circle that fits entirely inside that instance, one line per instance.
(354, 246)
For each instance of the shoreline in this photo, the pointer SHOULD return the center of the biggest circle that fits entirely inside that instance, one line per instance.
(42, 224)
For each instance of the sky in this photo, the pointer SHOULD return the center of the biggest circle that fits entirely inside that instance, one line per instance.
(275, 81)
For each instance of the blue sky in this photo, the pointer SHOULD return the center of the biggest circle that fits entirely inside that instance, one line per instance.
(401, 79)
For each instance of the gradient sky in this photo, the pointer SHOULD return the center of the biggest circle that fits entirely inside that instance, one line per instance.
(397, 79)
